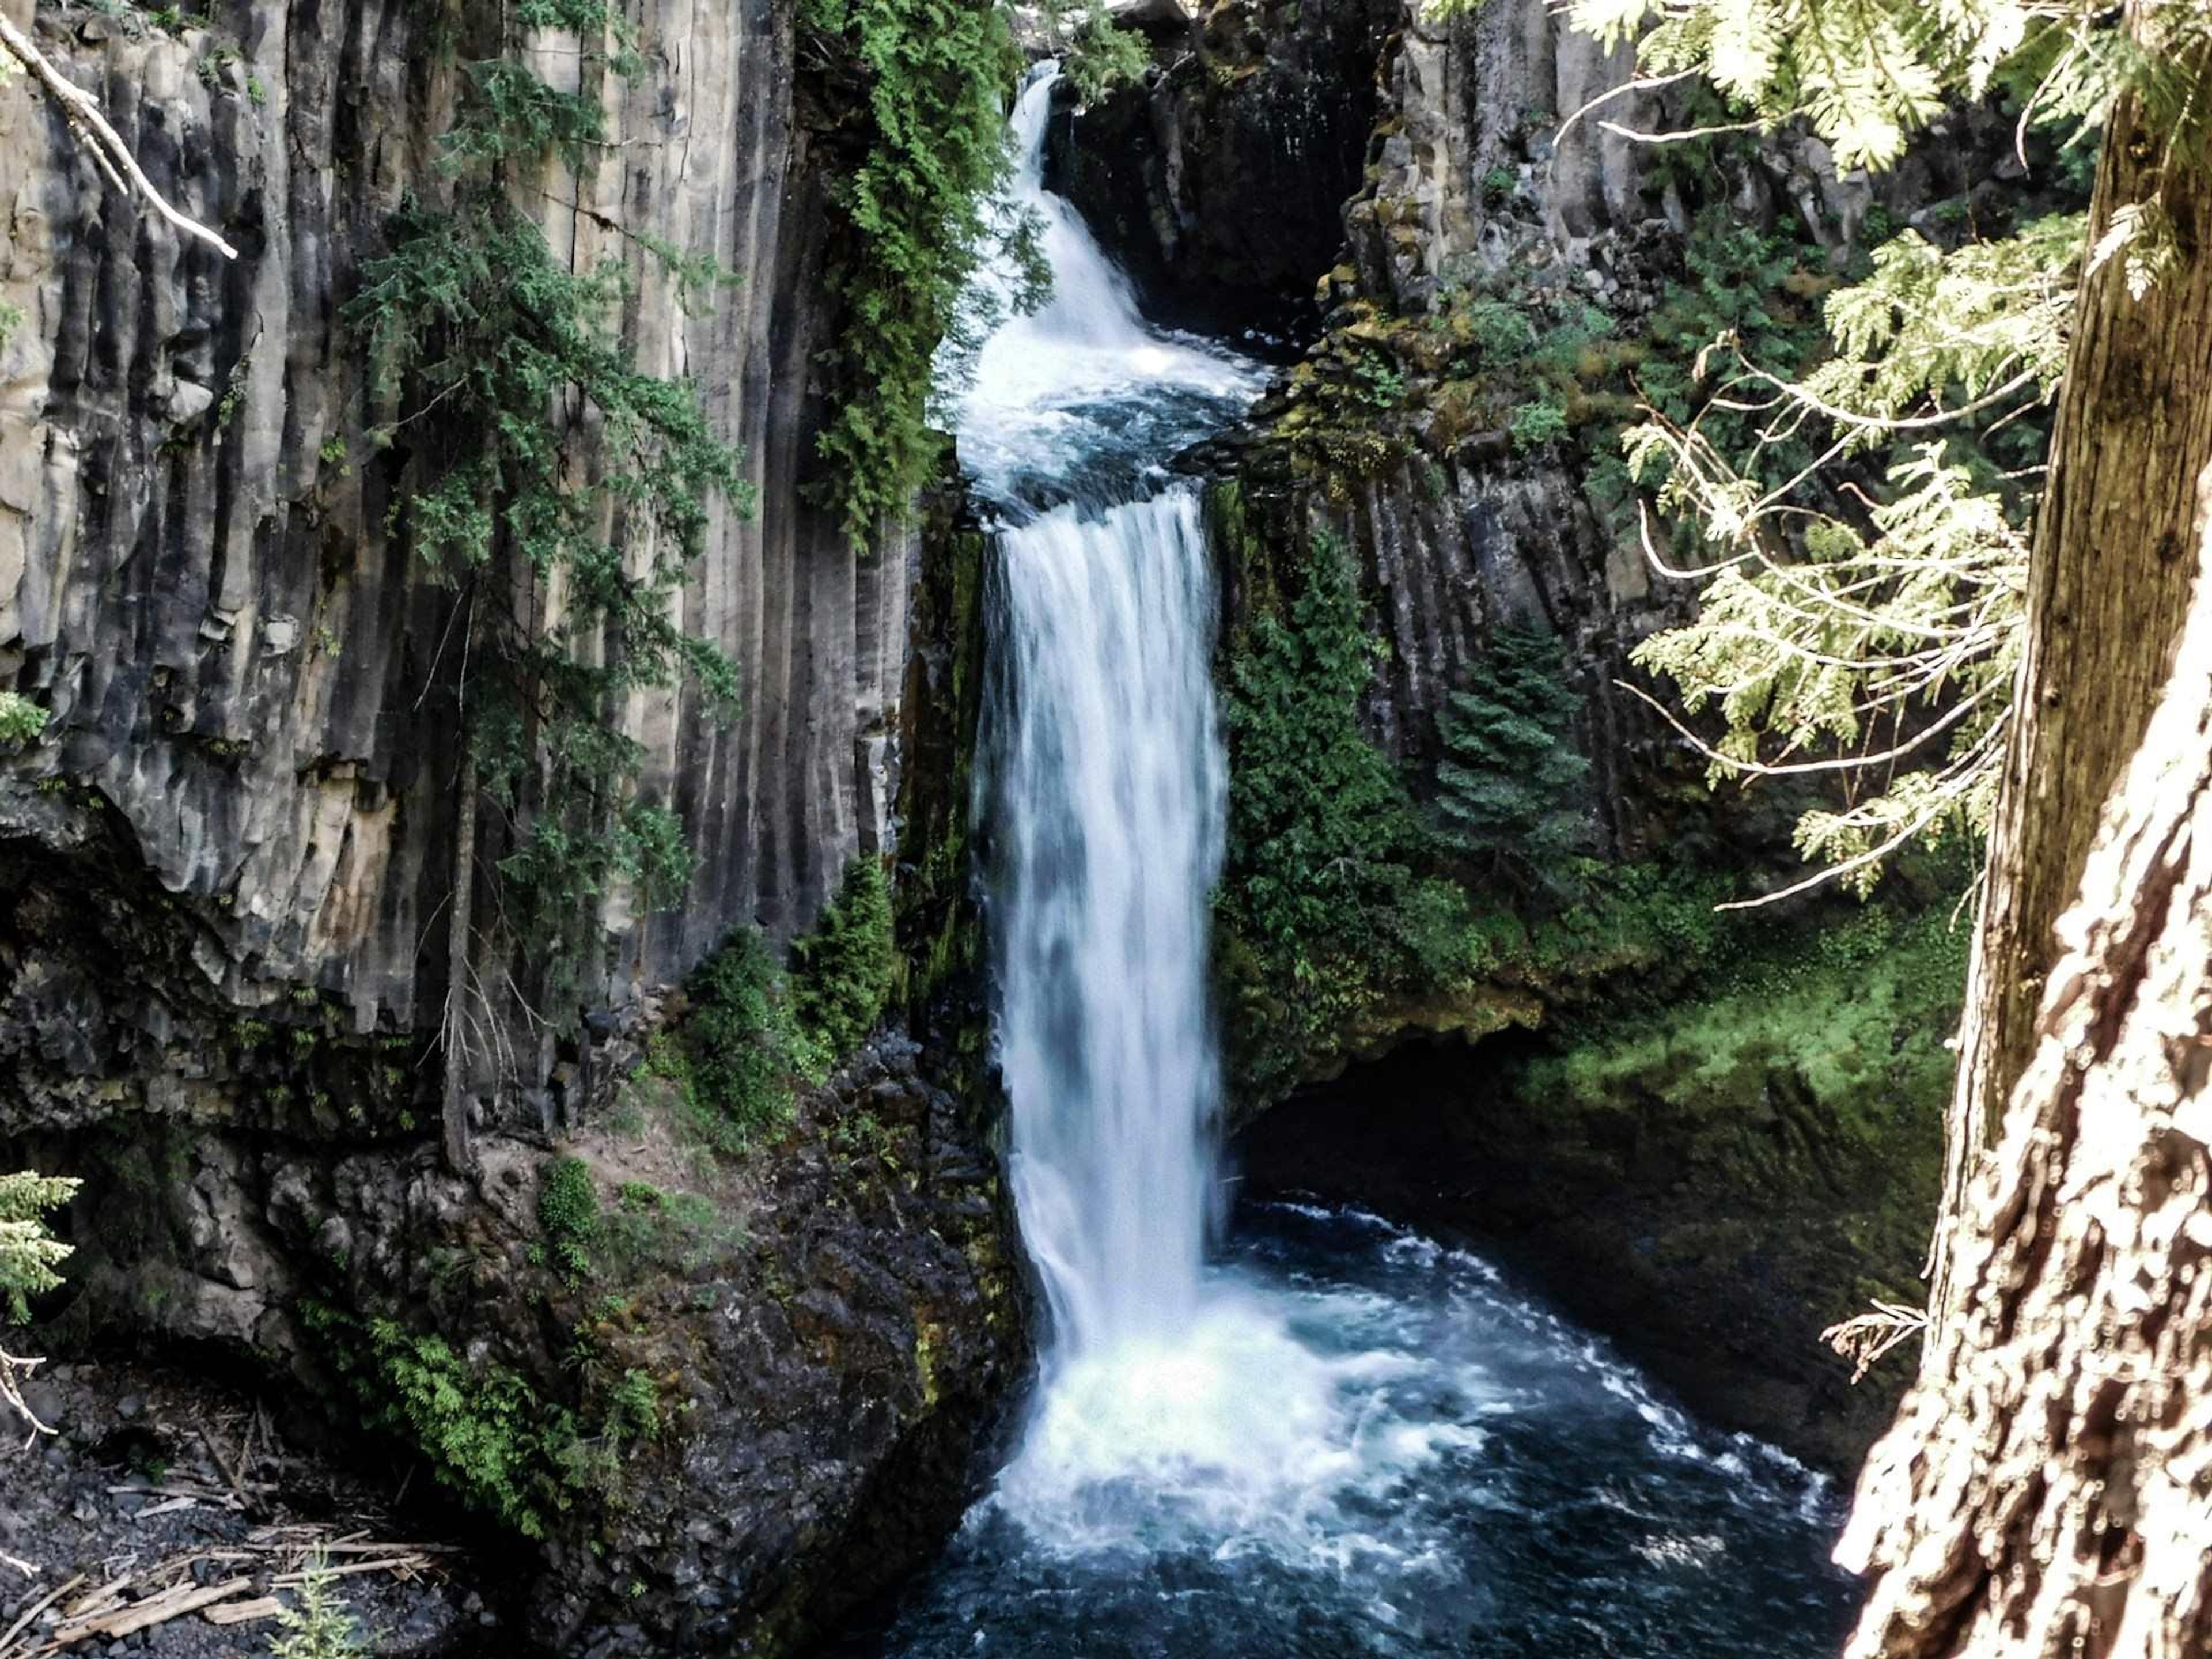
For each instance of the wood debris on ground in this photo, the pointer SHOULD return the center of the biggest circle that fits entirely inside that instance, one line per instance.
(226, 1583)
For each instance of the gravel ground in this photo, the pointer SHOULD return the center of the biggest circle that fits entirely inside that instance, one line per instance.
(129, 1486)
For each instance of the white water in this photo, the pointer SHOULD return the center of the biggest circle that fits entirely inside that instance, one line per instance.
(1264, 1425)
(1110, 799)
(1085, 374)
(1109, 782)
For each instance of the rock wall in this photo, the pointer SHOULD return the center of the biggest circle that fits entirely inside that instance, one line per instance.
(1220, 181)
(240, 667)
(225, 864)
(759, 1397)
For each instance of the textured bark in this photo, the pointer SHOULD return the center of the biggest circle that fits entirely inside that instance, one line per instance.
(2047, 1488)
(2108, 583)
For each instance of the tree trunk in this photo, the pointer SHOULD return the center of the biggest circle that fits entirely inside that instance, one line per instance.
(454, 1112)
(2108, 583)
(2047, 1488)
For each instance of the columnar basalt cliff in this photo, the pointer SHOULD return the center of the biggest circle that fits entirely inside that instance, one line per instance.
(1221, 182)
(755, 1393)
(196, 578)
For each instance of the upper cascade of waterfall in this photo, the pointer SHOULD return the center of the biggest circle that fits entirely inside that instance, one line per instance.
(1082, 400)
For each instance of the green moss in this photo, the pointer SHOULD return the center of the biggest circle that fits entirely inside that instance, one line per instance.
(1810, 1067)
(937, 925)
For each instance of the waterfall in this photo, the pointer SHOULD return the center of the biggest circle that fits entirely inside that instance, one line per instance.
(1108, 777)
(1297, 1439)
(1107, 789)
(1109, 806)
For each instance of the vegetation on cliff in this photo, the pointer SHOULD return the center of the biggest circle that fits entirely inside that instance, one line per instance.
(1348, 909)
(564, 534)
(2067, 1272)
(921, 206)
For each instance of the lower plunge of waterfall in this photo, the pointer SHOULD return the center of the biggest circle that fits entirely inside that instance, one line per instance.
(1309, 1432)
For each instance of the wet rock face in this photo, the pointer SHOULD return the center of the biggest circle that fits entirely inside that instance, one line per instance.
(196, 578)
(1219, 182)
(824, 1359)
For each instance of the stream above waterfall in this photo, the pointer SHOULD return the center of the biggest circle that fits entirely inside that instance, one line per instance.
(1295, 1428)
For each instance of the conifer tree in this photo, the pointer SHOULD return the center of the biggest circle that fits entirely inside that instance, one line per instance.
(1512, 786)
(30, 1260)
(2043, 1491)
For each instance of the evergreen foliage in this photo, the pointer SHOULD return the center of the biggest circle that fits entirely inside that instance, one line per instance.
(1319, 820)
(921, 210)
(30, 1255)
(1869, 624)
(472, 310)
(1881, 625)
(753, 1034)
(1513, 787)
(1098, 55)
(1337, 898)
(317, 1626)
(844, 972)
(1867, 74)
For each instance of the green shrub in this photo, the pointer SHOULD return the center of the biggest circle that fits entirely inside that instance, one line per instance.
(650, 1228)
(1537, 423)
(1380, 382)
(569, 1211)
(844, 973)
(1498, 331)
(21, 720)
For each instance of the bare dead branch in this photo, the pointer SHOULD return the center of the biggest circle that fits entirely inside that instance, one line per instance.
(101, 140)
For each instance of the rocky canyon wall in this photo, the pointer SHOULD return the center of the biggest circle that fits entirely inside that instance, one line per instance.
(248, 685)
(747, 1389)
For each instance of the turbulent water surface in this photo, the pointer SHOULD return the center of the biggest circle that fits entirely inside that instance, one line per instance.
(1310, 1432)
